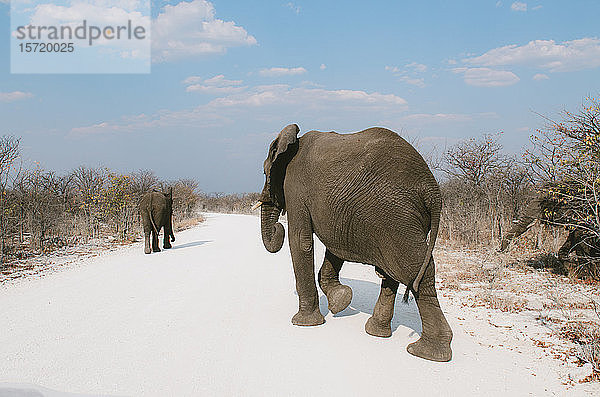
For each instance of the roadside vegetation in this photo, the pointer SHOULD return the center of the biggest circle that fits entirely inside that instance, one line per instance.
(484, 191)
(42, 210)
(229, 203)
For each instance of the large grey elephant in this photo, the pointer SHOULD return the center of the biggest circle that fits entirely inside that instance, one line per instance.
(156, 209)
(370, 198)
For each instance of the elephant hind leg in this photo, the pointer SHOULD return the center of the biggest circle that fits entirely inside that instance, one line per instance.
(380, 323)
(147, 249)
(338, 295)
(436, 336)
(155, 245)
(166, 243)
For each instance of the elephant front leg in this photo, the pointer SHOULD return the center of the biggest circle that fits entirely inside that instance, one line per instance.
(436, 336)
(338, 295)
(147, 249)
(380, 323)
(301, 247)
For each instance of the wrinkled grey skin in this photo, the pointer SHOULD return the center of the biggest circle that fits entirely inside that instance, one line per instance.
(370, 198)
(534, 211)
(520, 225)
(156, 209)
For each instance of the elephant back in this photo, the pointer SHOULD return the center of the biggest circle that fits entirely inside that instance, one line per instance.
(156, 201)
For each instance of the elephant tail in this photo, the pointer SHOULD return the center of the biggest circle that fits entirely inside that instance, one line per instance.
(435, 224)
(150, 215)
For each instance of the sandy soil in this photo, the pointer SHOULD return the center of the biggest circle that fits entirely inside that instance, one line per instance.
(212, 317)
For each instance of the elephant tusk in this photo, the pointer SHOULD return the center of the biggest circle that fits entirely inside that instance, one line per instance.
(255, 206)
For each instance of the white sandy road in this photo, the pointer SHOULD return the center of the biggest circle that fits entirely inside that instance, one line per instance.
(212, 317)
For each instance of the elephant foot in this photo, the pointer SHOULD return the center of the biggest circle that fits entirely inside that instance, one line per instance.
(378, 328)
(156, 249)
(167, 246)
(431, 350)
(147, 250)
(339, 298)
(308, 319)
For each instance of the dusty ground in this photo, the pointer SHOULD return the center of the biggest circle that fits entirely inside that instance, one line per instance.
(42, 265)
(212, 317)
(529, 311)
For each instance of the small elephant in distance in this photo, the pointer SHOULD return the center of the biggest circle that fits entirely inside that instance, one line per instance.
(156, 209)
(370, 198)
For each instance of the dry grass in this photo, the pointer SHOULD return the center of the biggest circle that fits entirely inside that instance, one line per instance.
(567, 307)
(503, 302)
(586, 336)
(187, 223)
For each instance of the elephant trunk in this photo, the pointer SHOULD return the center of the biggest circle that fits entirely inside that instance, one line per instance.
(518, 228)
(271, 230)
(532, 212)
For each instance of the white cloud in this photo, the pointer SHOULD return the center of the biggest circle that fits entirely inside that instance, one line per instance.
(323, 66)
(498, 3)
(190, 29)
(221, 80)
(540, 76)
(419, 82)
(435, 118)
(413, 67)
(409, 74)
(214, 85)
(284, 94)
(293, 7)
(571, 55)
(5, 1)
(428, 118)
(417, 67)
(485, 77)
(537, 8)
(14, 96)
(282, 71)
(518, 6)
(212, 89)
(261, 101)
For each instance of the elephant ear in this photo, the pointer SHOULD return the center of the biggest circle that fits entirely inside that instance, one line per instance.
(281, 152)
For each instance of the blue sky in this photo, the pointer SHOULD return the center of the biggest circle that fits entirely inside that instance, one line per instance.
(228, 75)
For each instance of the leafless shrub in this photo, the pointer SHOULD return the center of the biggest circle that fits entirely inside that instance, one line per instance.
(9, 152)
(185, 198)
(483, 192)
(586, 336)
(566, 162)
(43, 211)
(229, 203)
(143, 181)
(475, 159)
